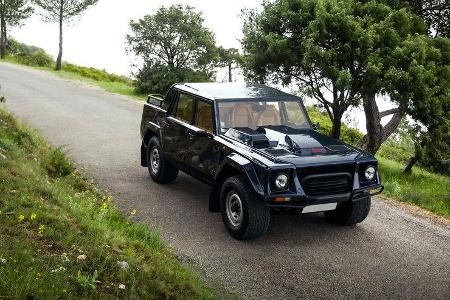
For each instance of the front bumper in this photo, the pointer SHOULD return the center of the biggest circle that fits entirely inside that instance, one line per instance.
(292, 200)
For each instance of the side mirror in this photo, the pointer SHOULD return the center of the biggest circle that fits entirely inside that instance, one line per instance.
(315, 126)
(155, 99)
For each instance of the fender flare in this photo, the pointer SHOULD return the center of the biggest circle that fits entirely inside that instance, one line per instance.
(151, 130)
(233, 164)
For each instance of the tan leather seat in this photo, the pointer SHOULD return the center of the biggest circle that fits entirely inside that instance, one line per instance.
(205, 119)
(270, 116)
(241, 116)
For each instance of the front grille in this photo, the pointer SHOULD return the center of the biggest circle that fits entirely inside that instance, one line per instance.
(327, 184)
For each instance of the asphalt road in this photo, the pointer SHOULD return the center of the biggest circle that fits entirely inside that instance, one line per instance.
(393, 254)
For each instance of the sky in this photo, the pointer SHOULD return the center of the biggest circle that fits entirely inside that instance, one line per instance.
(97, 37)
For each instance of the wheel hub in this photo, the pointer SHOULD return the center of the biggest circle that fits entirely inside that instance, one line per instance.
(154, 160)
(234, 208)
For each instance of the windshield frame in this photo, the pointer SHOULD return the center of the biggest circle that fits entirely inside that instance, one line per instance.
(281, 99)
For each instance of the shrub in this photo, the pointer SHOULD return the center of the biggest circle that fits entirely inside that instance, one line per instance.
(159, 78)
(348, 135)
(95, 74)
(35, 59)
(58, 165)
(15, 47)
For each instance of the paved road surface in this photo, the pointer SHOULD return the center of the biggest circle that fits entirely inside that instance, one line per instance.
(391, 255)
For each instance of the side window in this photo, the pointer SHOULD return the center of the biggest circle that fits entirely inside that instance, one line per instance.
(204, 116)
(185, 108)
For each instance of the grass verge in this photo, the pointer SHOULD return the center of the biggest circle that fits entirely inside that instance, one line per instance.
(422, 188)
(60, 237)
(107, 81)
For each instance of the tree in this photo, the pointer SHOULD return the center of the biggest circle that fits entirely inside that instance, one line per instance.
(416, 76)
(158, 78)
(173, 39)
(62, 11)
(344, 52)
(229, 58)
(436, 14)
(12, 13)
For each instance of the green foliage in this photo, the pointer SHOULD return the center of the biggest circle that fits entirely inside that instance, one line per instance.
(35, 59)
(47, 222)
(87, 283)
(400, 145)
(436, 14)
(57, 164)
(95, 74)
(348, 134)
(173, 43)
(54, 10)
(12, 13)
(422, 188)
(157, 79)
(343, 51)
(16, 47)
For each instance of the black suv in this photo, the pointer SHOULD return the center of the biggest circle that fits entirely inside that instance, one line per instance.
(256, 147)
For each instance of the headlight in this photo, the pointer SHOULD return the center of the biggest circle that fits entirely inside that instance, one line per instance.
(370, 173)
(281, 181)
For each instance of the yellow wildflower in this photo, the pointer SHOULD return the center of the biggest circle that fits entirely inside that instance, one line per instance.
(33, 217)
(104, 206)
(21, 218)
(110, 198)
(41, 229)
(133, 211)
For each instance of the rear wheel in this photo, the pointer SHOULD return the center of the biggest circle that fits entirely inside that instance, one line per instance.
(159, 168)
(244, 213)
(350, 212)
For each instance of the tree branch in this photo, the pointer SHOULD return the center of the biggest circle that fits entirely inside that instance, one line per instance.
(389, 112)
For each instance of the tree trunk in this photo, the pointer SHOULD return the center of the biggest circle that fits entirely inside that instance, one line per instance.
(230, 79)
(336, 129)
(412, 161)
(376, 133)
(59, 59)
(3, 39)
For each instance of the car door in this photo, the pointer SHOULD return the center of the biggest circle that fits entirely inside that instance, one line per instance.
(176, 141)
(203, 154)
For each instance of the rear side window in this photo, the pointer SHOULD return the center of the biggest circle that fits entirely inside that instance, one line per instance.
(185, 108)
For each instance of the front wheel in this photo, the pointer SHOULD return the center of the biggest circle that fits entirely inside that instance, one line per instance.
(159, 168)
(244, 213)
(350, 212)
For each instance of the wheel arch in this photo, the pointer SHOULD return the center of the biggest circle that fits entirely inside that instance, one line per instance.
(233, 165)
(145, 140)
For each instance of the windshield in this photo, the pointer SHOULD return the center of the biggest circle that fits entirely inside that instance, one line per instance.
(254, 114)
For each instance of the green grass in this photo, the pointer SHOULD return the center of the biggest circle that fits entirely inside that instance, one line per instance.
(61, 237)
(109, 82)
(422, 188)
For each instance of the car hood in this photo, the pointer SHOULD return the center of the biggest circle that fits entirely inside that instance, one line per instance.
(296, 146)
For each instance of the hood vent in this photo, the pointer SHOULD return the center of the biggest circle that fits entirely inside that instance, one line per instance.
(339, 148)
(249, 137)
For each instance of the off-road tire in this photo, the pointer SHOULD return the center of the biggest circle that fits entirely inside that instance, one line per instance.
(256, 215)
(166, 172)
(350, 212)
